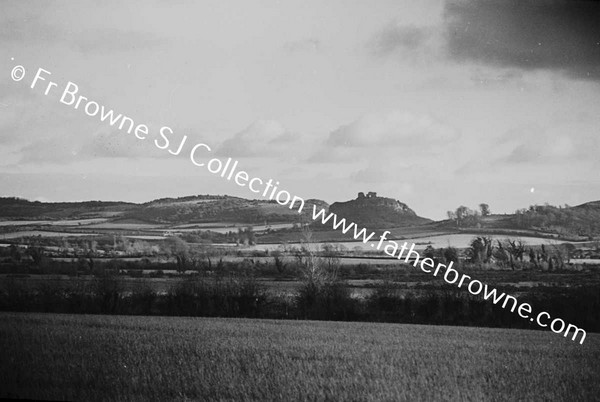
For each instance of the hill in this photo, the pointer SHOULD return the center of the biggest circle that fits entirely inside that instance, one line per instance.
(18, 208)
(209, 208)
(376, 212)
(581, 220)
(191, 209)
(577, 223)
(592, 205)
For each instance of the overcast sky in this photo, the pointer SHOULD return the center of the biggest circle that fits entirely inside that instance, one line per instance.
(434, 103)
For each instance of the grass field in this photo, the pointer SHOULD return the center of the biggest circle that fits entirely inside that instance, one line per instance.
(52, 356)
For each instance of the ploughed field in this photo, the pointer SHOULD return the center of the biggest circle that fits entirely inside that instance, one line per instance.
(53, 356)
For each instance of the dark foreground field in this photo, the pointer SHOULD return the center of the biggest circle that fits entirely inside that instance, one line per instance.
(53, 356)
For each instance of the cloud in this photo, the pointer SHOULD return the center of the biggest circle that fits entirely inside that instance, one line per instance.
(112, 40)
(398, 37)
(20, 22)
(483, 78)
(30, 25)
(261, 138)
(417, 44)
(393, 129)
(71, 147)
(389, 147)
(376, 172)
(108, 142)
(558, 144)
(560, 151)
(329, 154)
(49, 140)
(306, 44)
(561, 35)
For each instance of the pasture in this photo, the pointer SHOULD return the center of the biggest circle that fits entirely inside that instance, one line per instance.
(53, 356)
(461, 241)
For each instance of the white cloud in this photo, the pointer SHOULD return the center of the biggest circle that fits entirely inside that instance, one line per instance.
(394, 129)
(550, 145)
(261, 138)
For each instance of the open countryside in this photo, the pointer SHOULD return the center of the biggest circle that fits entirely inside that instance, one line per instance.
(175, 358)
(300, 201)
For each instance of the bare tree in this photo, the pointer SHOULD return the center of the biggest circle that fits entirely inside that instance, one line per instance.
(202, 256)
(451, 215)
(560, 256)
(516, 249)
(278, 261)
(461, 213)
(180, 250)
(308, 259)
(331, 259)
(481, 249)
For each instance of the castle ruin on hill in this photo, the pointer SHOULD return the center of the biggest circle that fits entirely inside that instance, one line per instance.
(371, 199)
(370, 194)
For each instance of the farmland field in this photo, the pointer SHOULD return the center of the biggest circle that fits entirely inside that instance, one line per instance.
(42, 233)
(54, 356)
(65, 222)
(438, 241)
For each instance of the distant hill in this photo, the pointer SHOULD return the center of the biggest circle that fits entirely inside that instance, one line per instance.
(208, 208)
(376, 212)
(581, 220)
(192, 209)
(370, 211)
(592, 205)
(18, 208)
(578, 222)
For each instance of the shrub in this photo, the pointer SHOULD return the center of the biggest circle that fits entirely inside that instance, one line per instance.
(326, 301)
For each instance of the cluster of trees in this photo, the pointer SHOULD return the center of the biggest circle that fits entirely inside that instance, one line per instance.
(199, 257)
(32, 253)
(514, 254)
(101, 246)
(35, 256)
(580, 221)
(442, 255)
(246, 236)
(467, 217)
(483, 251)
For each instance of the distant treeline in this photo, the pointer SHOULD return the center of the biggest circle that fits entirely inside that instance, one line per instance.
(19, 208)
(583, 220)
(243, 296)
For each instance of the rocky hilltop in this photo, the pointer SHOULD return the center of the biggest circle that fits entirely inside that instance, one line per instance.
(377, 212)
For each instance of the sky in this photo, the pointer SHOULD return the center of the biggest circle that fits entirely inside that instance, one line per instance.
(434, 103)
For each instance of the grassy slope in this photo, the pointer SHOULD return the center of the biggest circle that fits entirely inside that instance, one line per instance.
(166, 210)
(93, 357)
(23, 209)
